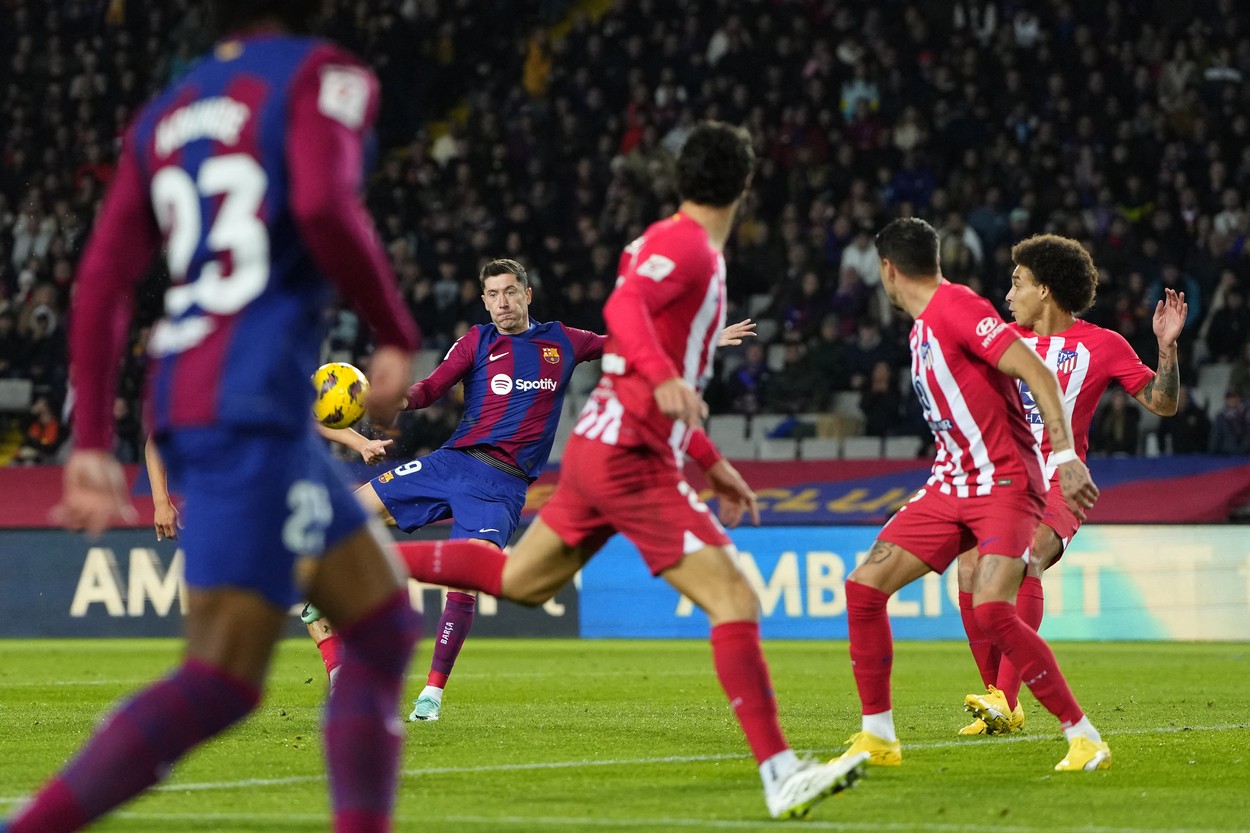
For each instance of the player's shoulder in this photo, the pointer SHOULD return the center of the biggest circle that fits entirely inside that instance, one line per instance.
(1095, 337)
(674, 242)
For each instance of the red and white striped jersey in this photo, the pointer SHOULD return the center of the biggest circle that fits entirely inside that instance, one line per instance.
(973, 409)
(663, 320)
(1086, 358)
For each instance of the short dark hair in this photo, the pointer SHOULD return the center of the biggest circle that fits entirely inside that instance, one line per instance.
(1062, 265)
(714, 164)
(503, 266)
(298, 16)
(911, 245)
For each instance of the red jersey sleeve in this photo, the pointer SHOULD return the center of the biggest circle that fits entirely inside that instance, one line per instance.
(1122, 363)
(121, 247)
(334, 100)
(454, 367)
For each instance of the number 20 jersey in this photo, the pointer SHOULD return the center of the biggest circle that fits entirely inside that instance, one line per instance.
(244, 315)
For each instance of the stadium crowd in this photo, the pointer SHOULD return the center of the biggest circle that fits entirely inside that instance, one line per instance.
(1123, 124)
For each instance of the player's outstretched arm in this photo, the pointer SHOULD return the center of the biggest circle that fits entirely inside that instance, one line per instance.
(371, 451)
(95, 493)
(736, 497)
(732, 335)
(1019, 361)
(165, 518)
(1160, 394)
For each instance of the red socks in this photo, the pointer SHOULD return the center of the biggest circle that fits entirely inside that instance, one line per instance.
(984, 653)
(1030, 653)
(743, 674)
(872, 645)
(455, 564)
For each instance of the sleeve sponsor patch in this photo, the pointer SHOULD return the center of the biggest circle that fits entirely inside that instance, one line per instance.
(344, 95)
(989, 328)
(656, 267)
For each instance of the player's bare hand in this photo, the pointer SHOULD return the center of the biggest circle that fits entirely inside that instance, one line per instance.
(1169, 317)
(95, 493)
(735, 496)
(374, 451)
(732, 335)
(1078, 487)
(166, 521)
(390, 370)
(677, 399)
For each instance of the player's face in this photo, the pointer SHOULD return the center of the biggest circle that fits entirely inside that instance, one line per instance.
(889, 282)
(508, 303)
(1025, 297)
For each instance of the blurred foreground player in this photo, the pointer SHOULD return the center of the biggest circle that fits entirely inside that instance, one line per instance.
(249, 168)
(986, 489)
(622, 469)
(1054, 280)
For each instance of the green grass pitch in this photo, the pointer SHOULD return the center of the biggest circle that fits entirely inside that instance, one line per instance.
(636, 736)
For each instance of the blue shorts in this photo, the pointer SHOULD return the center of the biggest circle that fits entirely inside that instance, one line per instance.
(254, 503)
(483, 501)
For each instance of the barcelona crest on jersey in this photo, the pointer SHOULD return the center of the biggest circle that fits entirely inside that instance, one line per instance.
(551, 355)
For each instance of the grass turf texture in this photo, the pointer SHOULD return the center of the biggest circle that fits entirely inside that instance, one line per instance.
(636, 736)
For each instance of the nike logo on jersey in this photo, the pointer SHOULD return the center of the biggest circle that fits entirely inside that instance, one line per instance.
(492, 357)
(488, 529)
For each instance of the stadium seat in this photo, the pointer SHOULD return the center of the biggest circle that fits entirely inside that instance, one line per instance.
(821, 448)
(901, 448)
(726, 427)
(783, 449)
(861, 448)
(762, 424)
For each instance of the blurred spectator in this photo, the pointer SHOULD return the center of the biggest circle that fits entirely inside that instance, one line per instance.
(864, 353)
(790, 389)
(1189, 430)
(11, 347)
(748, 384)
(1230, 431)
(42, 435)
(826, 356)
(1227, 327)
(1239, 372)
(1115, 426)
(881, 402)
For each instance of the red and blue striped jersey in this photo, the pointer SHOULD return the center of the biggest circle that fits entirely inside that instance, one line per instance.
(248, 169)
(514, 388)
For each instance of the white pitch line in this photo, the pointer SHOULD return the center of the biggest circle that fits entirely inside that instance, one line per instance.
(551, 765)
(583, 822)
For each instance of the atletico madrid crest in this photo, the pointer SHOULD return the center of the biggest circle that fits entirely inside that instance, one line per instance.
(551, 355)
(1067, 361)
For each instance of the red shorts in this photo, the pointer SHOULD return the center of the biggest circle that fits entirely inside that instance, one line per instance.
(1060, 518)
(604, 489)
(937, 527)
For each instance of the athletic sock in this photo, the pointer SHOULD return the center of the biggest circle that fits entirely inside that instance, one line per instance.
(1030, 653)
(331, 649)
(1030, 604)
(137, 746)
(362, 736)
(984, 654)
(453, 628)
(872, 645)
(455, 564)
(743, 673)
(774, 770)
(1082, 729)
(880, 724)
